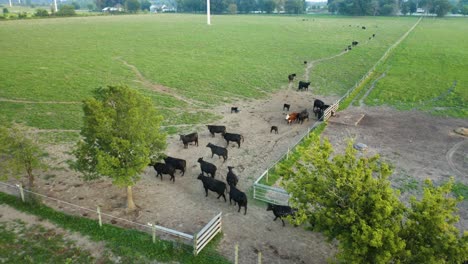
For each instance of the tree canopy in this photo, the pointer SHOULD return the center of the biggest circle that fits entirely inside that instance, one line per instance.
(121, 133)
(348, 197)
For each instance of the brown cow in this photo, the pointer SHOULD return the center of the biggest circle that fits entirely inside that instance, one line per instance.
(292, 117)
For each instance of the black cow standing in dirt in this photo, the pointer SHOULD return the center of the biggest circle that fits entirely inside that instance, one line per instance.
(239, 198)
(214, 185)
(162, 168)
(303, 85)
(220, 151)
(233, 137)
(207, 167)
(281, 211)
(186, 139)
(303, 116)
(178, 164)
(216, 129)
(291, 77)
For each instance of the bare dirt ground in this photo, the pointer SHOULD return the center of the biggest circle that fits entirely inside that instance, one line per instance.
(417, 144)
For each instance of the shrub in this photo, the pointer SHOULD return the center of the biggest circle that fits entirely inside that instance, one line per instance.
(5, 10)
(41, 13)
(66, 10)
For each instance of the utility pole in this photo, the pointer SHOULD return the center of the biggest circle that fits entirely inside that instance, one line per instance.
(55, 5)
(208, 15)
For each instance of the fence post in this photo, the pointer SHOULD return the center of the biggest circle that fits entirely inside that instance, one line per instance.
(154, 233)
(236, 254)
(267, 173)
(195, 244)
(20, 187)
(259, 258)
(287, 154)
(99, 216)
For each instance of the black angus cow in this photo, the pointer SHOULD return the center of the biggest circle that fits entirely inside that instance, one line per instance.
(349, 47)
(305, 62)
(286, 107)
(220, 151)
(216, 129)
(186, 139)
(281, 211)
(363, 27)
(231, 177)
(233, 137)
(317, 104)
(303, 115)
(214, 185)
(373, 35)
(319, 112)
(291, 77)
(235, 109)
(355, 43)
(162, 168)
(303, 85)
(274, 128)
(207, 167)
(178, 164)
(239, 197)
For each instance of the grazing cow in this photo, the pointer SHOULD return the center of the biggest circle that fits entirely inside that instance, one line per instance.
(233, 137)
(303, 115)
(291, 77)
(207, 167)
(355, 43)
(214, 185)
(178, 164)
(274, 128)
(317, 104)
(220, 151)
(286, 107)
(292, 117)
(373, 35)
(186, 139)
(303, 85)
(349, 47)
(239, 197)
(320, 111)
(235, 110)
(305, 62)
(216, 129)
(281, 211)
(162, 168)
(231, 178)
(363, 27)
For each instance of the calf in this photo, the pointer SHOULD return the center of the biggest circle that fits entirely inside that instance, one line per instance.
(239, 197)
(291, 77)
(292, 117)
(231, 178)
(214, 185)
(220, 151)
(186, 139)
(233, 137)
(234, 110)
(216, 129)
(281, 211)
(303, 85)
(162, 168)
(274, 128)
(286, 107)
(303, 115)
(207, 167)
(178, 164)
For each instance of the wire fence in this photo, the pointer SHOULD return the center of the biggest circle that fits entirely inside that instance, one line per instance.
(277, 195)
(197, 242)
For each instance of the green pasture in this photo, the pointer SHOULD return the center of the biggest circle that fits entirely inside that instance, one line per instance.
(236, 58)
(428, 71)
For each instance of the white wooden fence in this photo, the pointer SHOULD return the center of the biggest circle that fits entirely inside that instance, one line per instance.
(201, 239)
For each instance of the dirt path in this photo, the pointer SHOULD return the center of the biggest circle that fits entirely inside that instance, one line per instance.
(36, 102)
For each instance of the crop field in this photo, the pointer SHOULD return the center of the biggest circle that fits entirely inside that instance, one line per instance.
(428, 71)
(50, 65)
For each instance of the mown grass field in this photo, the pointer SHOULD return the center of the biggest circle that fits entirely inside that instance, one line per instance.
(237, 57)
(428, 71)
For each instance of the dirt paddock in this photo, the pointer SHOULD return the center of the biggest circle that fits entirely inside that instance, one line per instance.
(417, 144)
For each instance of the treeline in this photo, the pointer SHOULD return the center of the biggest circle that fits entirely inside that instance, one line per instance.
(393, 7)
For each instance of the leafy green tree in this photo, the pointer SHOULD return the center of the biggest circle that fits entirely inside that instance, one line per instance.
(464, 10)
(20, 154)
(294, 6)
(429, 230)
(41, 13)
(76, 5)
(90, 7)
(439, 7)
(269, 6)
(132, 6)
(145, 5)
(246, 6)
(348, 198)
(121, 132)
(232, 9)
(405, 8)
(66, 10)
(5, 10)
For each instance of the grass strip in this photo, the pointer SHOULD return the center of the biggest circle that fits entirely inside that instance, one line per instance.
(132, 245)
